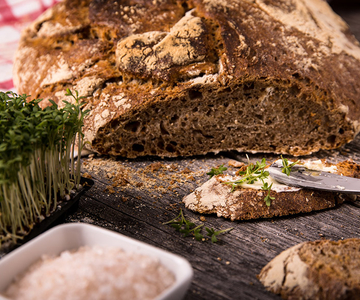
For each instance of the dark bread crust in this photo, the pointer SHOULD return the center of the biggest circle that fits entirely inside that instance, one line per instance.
(172, 78)
(334, 267)
(315, 270)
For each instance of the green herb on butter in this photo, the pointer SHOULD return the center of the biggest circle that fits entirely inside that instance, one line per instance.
(286, 169)
(254, 172)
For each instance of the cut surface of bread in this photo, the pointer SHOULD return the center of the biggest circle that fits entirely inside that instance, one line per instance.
(246, 201)
(189, 77)
(315, 270)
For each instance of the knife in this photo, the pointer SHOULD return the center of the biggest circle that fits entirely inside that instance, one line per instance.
(311, 179)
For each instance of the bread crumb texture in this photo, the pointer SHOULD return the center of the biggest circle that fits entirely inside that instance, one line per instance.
(189, 77)
(315, 270)
(93, 273)
(159, 177)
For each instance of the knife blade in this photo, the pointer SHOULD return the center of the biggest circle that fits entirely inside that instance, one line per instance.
(312, 179)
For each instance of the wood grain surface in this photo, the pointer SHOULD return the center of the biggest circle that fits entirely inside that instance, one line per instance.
(148, 192)
(135, 198)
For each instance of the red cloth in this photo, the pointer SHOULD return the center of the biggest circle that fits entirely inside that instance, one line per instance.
(14, 16)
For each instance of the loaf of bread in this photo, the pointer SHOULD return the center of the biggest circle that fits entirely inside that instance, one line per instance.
(315, 270)
(188, 77)
(246, 201)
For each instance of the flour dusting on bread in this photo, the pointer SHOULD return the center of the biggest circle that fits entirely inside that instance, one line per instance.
(199, 76)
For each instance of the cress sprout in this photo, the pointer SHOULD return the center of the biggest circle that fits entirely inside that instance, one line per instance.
(37, 159)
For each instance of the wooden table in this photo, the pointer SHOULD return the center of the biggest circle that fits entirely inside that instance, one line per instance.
(135, 197)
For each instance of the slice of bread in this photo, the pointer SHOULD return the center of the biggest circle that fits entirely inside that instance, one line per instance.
(315, 270)
(247, 201)
(188, 77)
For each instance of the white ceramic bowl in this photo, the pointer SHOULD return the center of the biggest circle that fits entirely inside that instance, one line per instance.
(74, 235)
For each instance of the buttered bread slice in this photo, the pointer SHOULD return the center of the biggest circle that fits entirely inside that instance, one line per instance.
(231, 197)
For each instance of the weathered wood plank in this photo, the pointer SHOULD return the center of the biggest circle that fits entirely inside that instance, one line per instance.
(222, 271)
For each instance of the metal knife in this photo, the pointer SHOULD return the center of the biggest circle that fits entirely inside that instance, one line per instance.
(310, 179)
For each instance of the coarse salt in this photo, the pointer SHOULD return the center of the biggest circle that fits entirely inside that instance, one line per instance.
(93, 273)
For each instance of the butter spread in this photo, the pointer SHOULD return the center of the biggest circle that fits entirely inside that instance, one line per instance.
(318, 165)
(276, 186)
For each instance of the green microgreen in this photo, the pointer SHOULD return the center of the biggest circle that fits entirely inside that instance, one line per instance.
(197, 234)
(216, 171)
(250, 175)
(213, 234)
(268, 198)
(182, 225)
(36, 151)
(254, 172)
(186, 228)
(286, 167)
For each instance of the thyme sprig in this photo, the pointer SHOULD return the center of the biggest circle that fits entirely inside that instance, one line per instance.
(286, 169)
(186, 228)
(36, 150)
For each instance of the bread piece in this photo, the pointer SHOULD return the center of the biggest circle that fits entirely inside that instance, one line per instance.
(188, 77)
(315, 270)
(246, 202)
